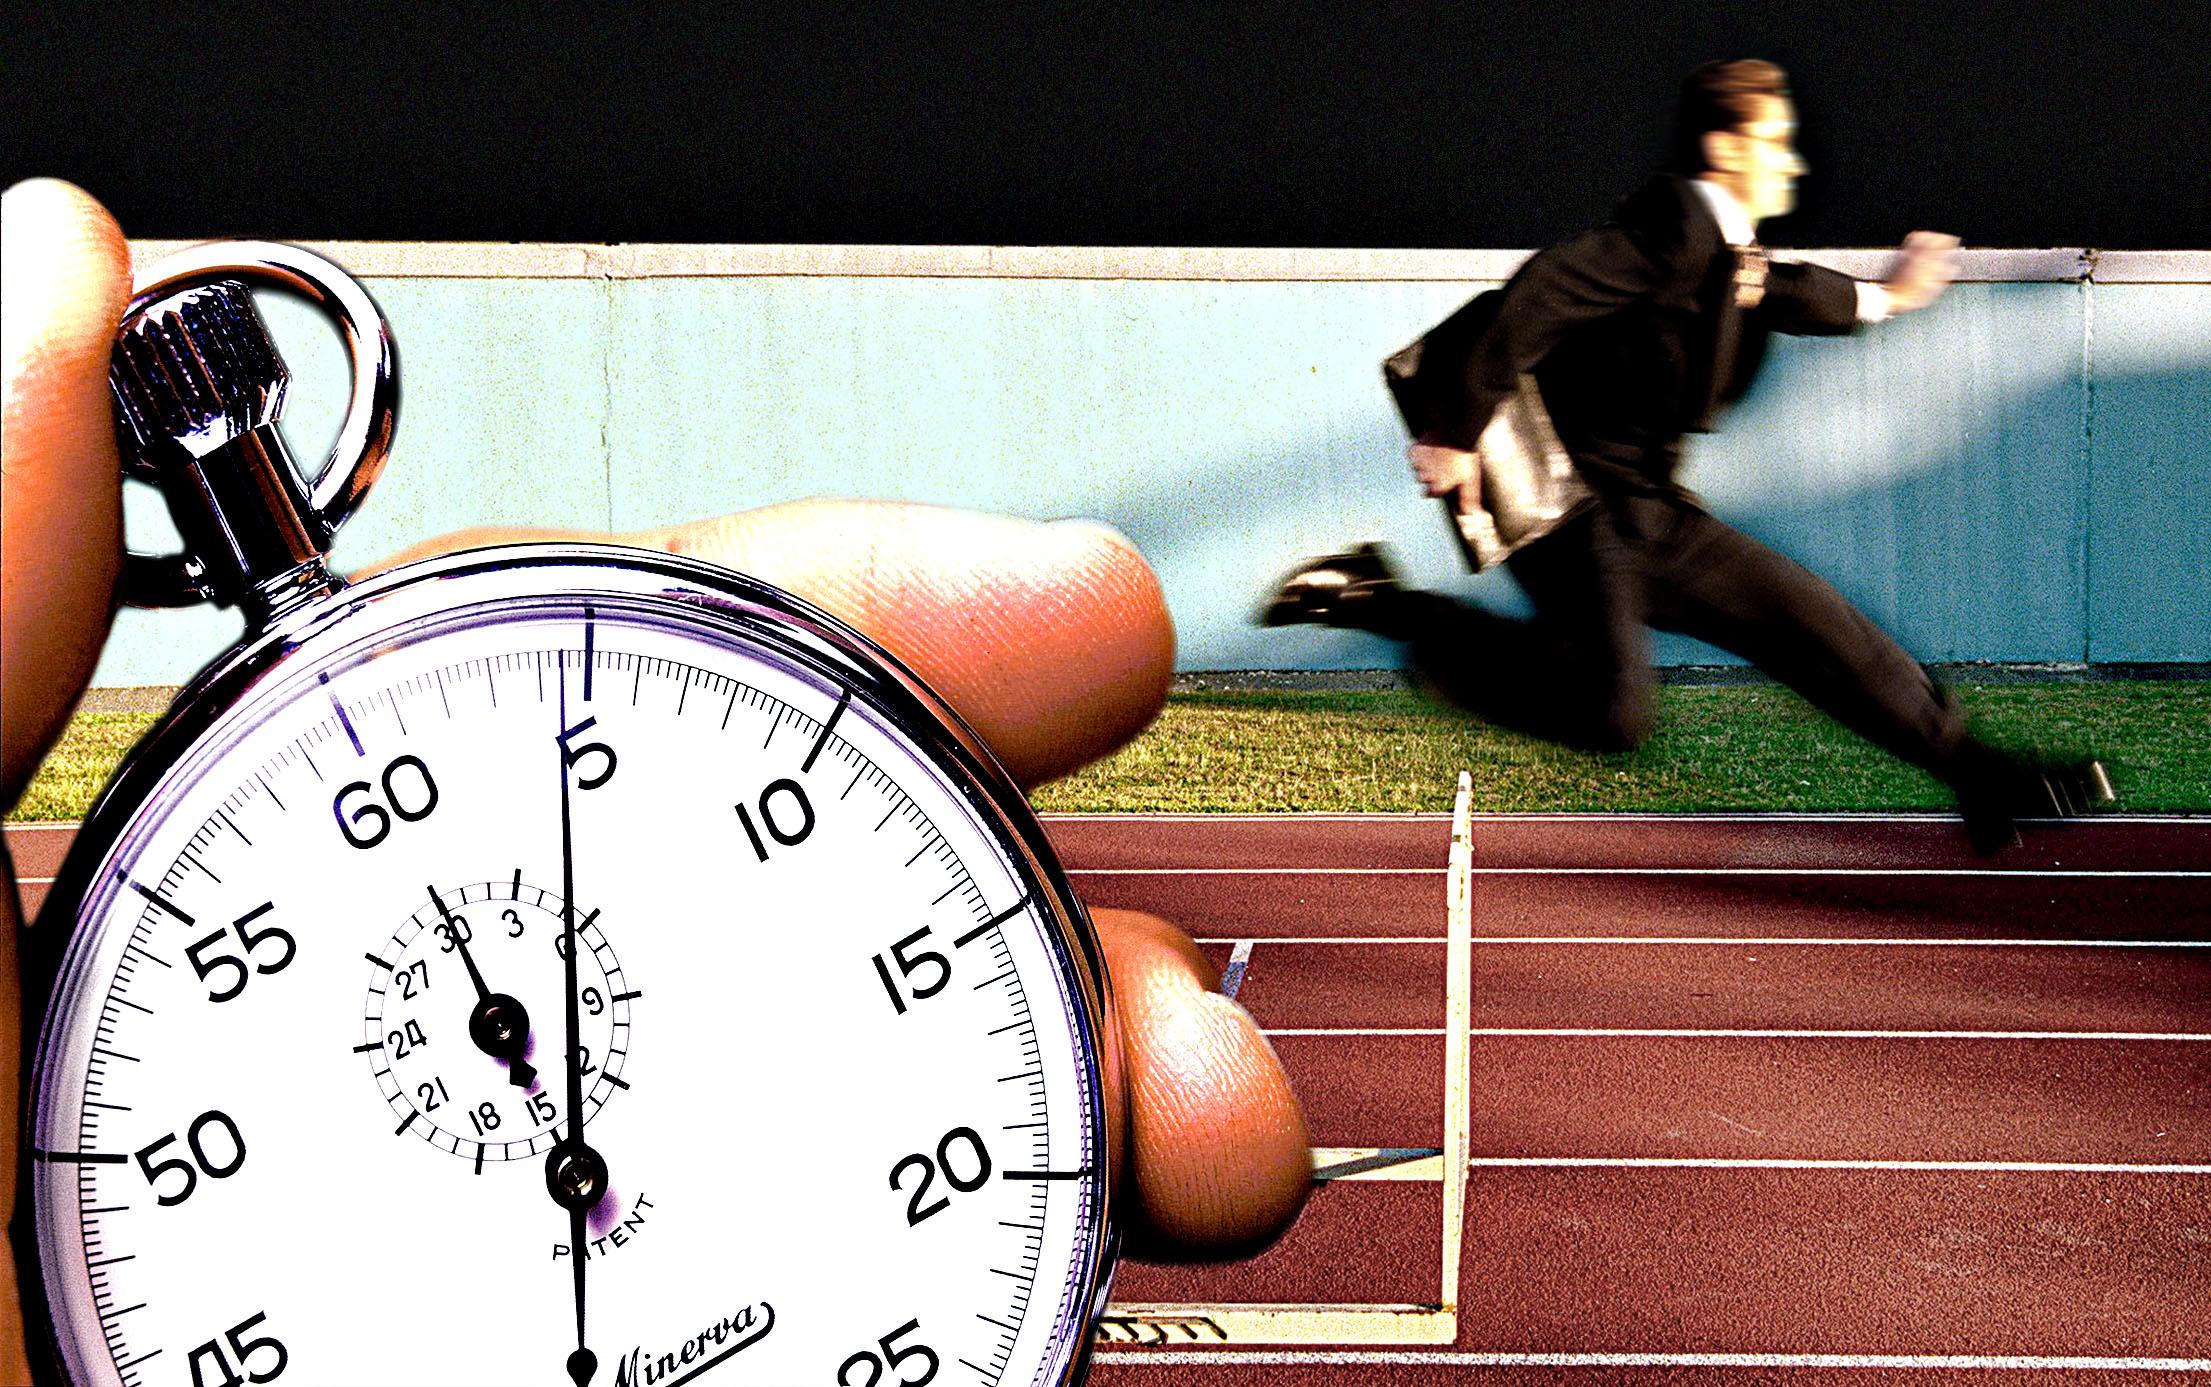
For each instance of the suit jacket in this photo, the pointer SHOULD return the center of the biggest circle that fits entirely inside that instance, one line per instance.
(1632, 332)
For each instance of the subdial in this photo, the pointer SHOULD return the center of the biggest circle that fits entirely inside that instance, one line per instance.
(425, 1021)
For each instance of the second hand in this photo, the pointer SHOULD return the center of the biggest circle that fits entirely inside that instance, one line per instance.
(575, 1174)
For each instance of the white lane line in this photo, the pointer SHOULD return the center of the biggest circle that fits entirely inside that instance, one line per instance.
(1925, 1362)
(1256, 871)
(2022, 873)
(1815, 1163)
(1193, 816)
(1572, 1033)
(1239, 962)
(1732, 941)
(1840, 819)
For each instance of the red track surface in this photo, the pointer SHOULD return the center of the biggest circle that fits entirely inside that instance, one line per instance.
(1961, 1088)
(1901, 1037)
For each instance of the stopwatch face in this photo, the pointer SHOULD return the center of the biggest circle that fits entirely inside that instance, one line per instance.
(305, 1073)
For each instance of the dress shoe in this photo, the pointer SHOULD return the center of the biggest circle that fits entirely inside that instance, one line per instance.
(2003, 789)
(1335, 590)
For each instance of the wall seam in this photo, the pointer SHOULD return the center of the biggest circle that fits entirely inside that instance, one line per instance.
(606, 394)
(2088, 457)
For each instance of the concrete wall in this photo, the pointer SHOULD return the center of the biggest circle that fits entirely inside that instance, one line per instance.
(2017, 474)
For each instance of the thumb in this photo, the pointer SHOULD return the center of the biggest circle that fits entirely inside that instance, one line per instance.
(1217, 1143)
(64, 275)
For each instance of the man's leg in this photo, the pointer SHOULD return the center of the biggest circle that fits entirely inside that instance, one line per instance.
(1713, 582)
(1578, 673)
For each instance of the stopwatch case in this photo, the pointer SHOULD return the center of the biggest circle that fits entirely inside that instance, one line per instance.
(347, 623)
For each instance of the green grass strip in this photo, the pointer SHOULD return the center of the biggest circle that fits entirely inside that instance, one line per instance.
(1733, 746)
(1755, 747)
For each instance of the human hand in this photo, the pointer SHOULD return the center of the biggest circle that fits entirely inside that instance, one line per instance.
(1440, 470)
(1053, 641)
(1925, 265)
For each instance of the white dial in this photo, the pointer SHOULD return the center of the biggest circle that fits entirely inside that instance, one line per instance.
(834, 1048)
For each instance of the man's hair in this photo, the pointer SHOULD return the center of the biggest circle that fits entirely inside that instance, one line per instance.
(1720, 96)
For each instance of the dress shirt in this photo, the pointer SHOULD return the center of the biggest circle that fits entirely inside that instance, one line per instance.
(1736, 226)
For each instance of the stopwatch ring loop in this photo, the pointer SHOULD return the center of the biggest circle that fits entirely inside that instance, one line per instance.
(364, 438)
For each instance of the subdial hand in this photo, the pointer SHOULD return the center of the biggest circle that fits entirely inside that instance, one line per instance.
(499, 1024)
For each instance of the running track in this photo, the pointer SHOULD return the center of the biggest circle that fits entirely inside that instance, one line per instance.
(1815, 1100)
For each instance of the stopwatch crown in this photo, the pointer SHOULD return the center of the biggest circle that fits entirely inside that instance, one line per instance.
(196, 370)
(198, 389)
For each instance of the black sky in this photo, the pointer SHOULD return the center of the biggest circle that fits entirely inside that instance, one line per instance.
(1478, 124)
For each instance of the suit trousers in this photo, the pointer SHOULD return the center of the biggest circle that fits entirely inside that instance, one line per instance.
(1579, 672)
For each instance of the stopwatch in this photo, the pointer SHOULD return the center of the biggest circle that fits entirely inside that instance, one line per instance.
(556, 964)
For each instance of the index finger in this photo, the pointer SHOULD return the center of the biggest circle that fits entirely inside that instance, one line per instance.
(1051, 639)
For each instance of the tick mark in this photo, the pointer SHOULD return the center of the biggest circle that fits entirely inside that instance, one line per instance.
(143, 952)
(822, 739)
(344, 721)
(993, 922)
(148, 892)
(590, 638)
(1082, 1174)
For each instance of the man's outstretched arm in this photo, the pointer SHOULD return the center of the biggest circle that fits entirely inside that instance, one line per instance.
(1807, 299)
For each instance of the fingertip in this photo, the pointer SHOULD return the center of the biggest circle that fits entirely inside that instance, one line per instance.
(1052, 639)
(65, 266)
(1218, 1146)
(64, 276)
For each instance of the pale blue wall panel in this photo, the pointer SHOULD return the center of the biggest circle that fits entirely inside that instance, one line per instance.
(1227, 428)
(1932, 468)
(2150, 540)
(1935, 468)
(504, 398)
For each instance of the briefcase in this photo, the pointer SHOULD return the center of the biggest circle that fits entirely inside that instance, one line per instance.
(1527, 484)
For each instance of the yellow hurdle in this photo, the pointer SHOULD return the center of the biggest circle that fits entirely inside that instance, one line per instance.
(1132, 1328)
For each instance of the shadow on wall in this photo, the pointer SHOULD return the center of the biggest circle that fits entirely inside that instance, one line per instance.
(2065, 523)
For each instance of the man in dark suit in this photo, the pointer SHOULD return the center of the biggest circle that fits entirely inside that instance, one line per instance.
(1635, 333)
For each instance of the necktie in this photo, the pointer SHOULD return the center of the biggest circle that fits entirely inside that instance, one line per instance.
(1749, 288)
